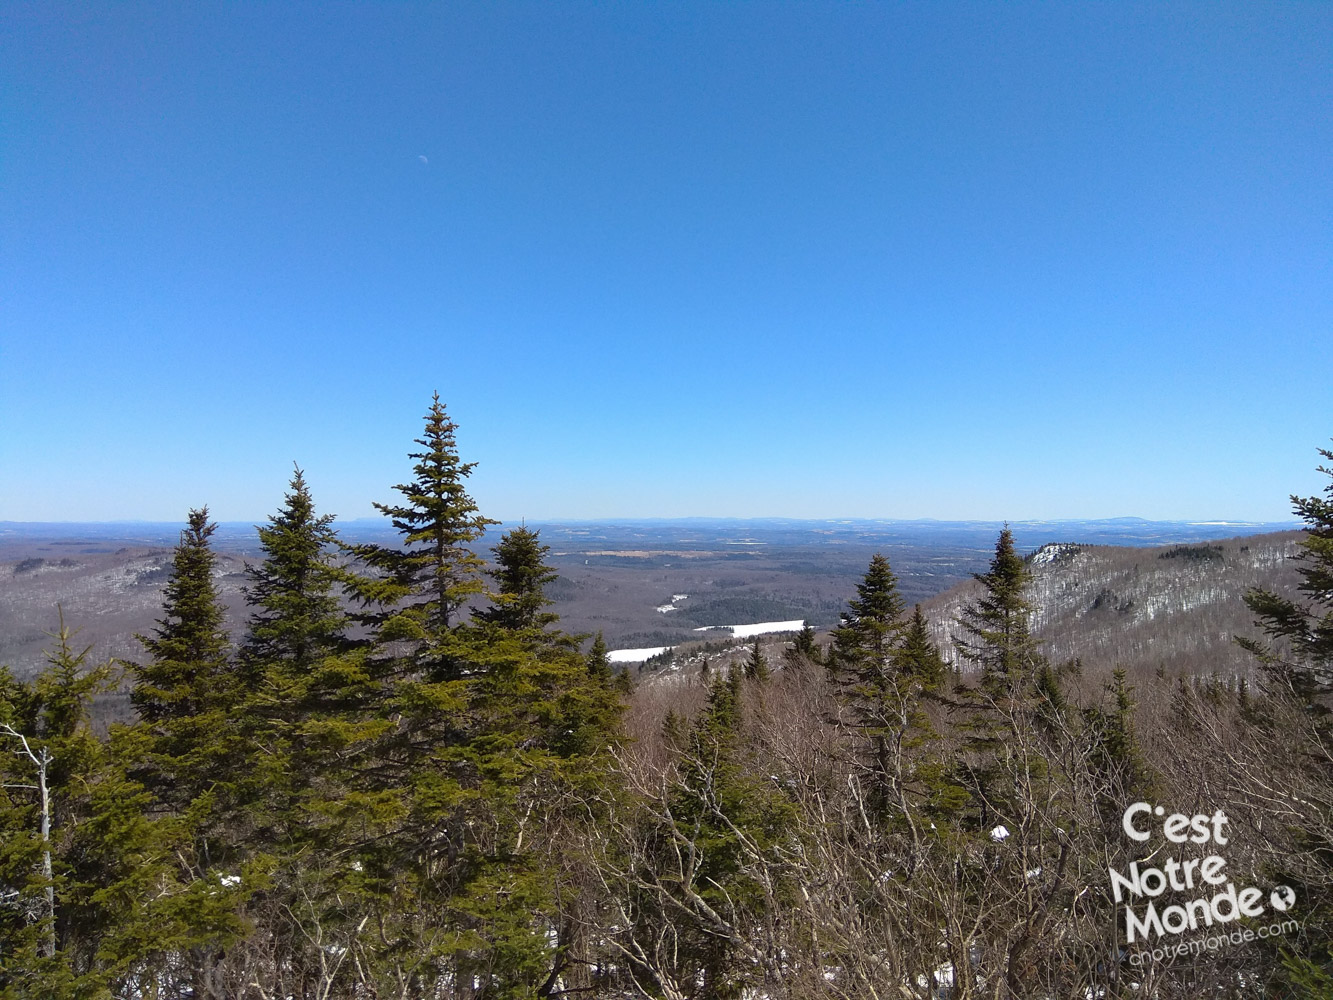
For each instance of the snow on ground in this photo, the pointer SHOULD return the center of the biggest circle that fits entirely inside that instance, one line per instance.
(758, 628)
(675, 599)
(635, 655)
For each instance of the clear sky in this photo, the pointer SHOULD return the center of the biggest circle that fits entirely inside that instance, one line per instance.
(737, 259)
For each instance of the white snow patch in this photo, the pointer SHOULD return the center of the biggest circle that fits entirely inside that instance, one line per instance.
(635, 655)
(758, 628)
(1000, 834)
(228, 881)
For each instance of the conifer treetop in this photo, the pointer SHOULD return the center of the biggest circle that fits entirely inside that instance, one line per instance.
(189, 648)
(296, 615)
(434, 571)
(1304, 628)
(997, 625)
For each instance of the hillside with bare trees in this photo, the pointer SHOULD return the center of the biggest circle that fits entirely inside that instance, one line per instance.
(1176, 608)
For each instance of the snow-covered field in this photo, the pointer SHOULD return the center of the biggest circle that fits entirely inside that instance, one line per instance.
(758, 628)
(737, 632)
(635, 655)
(675, 599)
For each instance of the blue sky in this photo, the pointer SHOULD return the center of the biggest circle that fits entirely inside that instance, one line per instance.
(890, 260)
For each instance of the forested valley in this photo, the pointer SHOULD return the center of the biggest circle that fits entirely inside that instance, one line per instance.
(405, 780)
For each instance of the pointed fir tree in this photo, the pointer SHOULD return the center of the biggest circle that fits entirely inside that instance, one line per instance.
(48, 758)
(871, 628)
(1299, 654)
(295, 617)
(189, 672)
(599, 660)
(756, 664)
(1297, 661)
(997, 638)
(419, 587)
(804, 650)
(723, 816)
(918, 656)
(195, 746)
(1115, 755)
(996, 626)
(522, 575)
(864, 664)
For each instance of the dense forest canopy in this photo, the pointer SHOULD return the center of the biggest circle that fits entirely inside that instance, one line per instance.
(406, 780)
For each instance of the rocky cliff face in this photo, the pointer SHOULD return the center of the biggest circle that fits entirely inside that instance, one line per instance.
(1176, 607)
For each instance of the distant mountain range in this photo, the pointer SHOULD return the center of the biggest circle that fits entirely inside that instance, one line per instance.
(18, 537)
(1101, 594)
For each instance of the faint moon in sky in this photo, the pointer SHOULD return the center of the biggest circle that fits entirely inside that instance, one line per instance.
(423, 159)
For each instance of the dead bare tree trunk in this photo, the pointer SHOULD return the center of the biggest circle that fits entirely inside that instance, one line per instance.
(42, 760)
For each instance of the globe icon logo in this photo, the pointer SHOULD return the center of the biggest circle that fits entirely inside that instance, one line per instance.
(1282, 898)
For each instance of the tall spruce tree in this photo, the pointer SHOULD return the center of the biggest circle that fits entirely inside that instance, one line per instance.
(295, 616)
(881, 666)
(48, 758)
(996, 627)
(997, 638)
(756, 664)
(196, 751)
(189, 672)
(599, 660)
(522, 575)
(725, 819)
(419, 587)
(918, 657)
(1302, 659)
(871, 628)
(1297, 659)
(804, 650)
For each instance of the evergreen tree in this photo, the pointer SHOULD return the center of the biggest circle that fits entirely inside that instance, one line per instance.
(193, 752)
(756, 665)
(997, 625)
(882, 668)
(1303, 660)
(522, 574)
(1115, 755)
(599, 662)
(724, 820)
(296, 617)
(420, 586)
(47, 757)
(864, 643)
(998, 639)
(189, 673)
(918, 657)
(498, 735)
(1298, 662)
(89, 896)
(804, 649)
(186, 692)
(863, 664)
